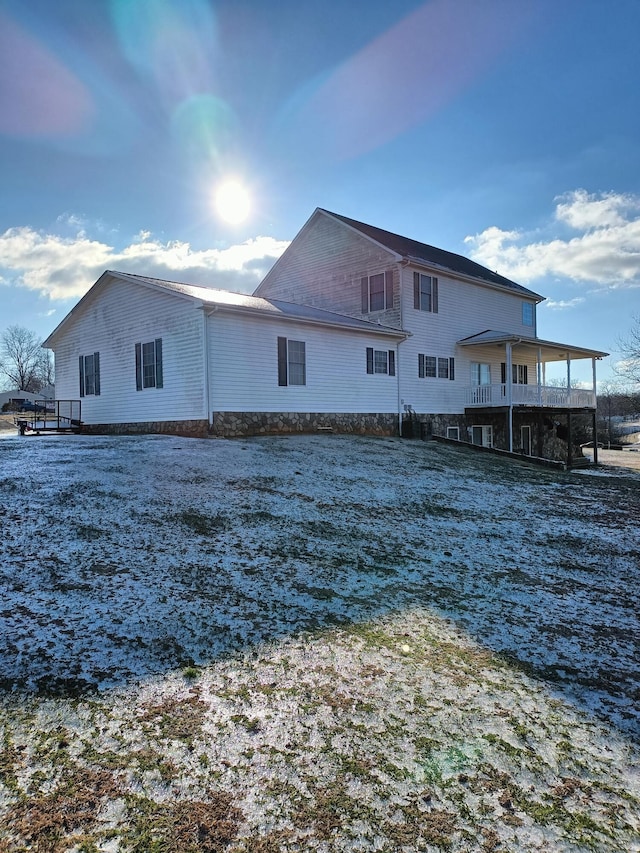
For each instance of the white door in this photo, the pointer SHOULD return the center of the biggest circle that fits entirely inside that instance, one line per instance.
(482, 435)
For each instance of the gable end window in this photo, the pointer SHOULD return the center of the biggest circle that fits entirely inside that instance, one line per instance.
(425, 292)
(149, 365)
(377, 292)
(435, 367)
(381, 361)
(90, 375)
(292, 362)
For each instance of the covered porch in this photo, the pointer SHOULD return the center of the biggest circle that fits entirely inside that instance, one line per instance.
(523, 386)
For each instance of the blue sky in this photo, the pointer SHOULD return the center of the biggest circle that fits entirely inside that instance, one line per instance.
(506, 130)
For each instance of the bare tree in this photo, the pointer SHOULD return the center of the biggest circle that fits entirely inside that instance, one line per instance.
(21, 358)
(46, 372)
(629, 346)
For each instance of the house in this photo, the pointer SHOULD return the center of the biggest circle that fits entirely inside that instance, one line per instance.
(353, 329)
(12, 399)
(471, 366)
(145, 355)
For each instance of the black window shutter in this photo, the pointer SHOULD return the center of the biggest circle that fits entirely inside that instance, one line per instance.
(392, 363)
(364, 290)
(452, 368)
(369, 359)
(159, 376)
(138, 367)
(434, 295)
(388, 289)
(526, 374)
(81, 363)
(282, 361)
(421, 366)
(503, 372)
(416, 290)
(96, 370)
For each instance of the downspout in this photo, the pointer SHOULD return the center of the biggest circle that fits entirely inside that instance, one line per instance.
(401, 267)
(508, 377)
(205, 354)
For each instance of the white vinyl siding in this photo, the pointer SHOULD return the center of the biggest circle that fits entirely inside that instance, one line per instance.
(326, 269)
(464, 309)
(116, 318)
(246, 378)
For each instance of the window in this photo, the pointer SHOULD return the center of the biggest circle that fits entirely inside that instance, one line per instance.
(432, 367)
(149, 365)
(377, 292)
(527, 313)
(381, 361)
(292, 362)
(453, 432)
(480, 373)
(425, 292)
(519, 374)
(90, 375)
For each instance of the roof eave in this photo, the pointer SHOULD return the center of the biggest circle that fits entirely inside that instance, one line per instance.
(574, 351)
(472, 279)
(387, 331)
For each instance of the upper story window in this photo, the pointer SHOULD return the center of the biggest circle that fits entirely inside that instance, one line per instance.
(528, 313)
(292, 362)
(425, 292)
(377, 292)
(90, 375)
(149, 365)
(381, 361)
(435, 367)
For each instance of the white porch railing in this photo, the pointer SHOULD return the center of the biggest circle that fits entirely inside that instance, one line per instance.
(487, 396)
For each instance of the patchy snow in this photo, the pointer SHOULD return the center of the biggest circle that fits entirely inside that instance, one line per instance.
(427, 644)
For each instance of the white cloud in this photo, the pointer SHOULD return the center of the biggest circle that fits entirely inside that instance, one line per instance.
(558, 305)
(66, 267)
(606, 252)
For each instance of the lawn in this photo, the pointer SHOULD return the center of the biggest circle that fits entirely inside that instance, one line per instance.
(314, 643)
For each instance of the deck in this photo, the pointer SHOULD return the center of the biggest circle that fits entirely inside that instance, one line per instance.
(531, 396)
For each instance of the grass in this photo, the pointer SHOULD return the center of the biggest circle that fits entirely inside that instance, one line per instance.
(367, 648)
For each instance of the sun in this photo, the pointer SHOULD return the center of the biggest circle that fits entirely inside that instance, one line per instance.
(232, 201)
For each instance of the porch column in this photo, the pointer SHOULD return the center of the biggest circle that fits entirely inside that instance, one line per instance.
(568, 381)
(539, 376)
(508, 377)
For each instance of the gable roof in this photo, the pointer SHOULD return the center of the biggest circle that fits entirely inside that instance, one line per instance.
(214, 299)
(413, 250)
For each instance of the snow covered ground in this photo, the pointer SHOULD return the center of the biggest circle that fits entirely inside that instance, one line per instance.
(314, 643)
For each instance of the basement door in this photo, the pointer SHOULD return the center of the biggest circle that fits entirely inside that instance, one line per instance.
(482, 435)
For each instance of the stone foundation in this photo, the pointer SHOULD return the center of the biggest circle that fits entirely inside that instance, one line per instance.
(230, 424)
(548, 434)
(190, 429)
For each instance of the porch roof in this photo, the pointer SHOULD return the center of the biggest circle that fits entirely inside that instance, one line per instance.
(550, 350)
